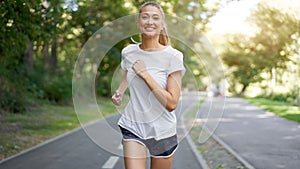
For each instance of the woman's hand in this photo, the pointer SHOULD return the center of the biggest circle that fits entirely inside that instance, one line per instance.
(139, 68)
(117, 98)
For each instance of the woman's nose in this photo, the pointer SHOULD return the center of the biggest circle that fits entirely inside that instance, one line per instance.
(150, 20)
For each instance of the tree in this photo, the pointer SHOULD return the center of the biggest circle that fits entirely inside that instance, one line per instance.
(40, 40)
(266, 51)
(244, 63)
(276, 26)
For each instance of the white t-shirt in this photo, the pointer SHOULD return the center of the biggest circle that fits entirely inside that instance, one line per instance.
(144, 115)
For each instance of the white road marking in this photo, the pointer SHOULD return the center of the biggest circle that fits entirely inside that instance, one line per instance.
(111, 162)
(120, 147)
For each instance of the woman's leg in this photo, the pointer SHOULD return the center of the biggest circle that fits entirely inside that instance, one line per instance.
(134, 155)
(161, 163)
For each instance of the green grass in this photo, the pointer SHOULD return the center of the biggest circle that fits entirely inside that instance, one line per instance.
(282, 109)
(21, 131)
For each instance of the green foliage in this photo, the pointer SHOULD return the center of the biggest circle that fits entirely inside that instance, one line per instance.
(197, 12)
(220, 166)
(57, 88)
(40, 40)
(292, 97)
(245, 63)
(12, 95)
(33, 83)
(106, 69)
(23, 130)
(275, 28)
(280, 108)
(269, 50)
(295, 96)
(12, 99)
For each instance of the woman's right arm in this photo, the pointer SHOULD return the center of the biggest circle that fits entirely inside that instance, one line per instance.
(117, 97)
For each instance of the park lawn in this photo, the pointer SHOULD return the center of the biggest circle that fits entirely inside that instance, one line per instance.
(282, 109)
(22, 131)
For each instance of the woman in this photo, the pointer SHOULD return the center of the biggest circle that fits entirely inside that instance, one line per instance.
(153, 72)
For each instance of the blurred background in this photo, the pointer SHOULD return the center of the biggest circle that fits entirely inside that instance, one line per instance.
(257, 41)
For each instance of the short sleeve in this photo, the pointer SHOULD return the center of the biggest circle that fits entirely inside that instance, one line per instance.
(176, 64)
(124, 64)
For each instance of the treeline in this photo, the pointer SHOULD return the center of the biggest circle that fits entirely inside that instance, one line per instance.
(269, 57)
(40, 41)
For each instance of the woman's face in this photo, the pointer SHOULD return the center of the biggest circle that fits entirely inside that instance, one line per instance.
(150, 21)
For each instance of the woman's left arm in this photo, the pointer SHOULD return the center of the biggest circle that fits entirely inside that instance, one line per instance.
(168, 97)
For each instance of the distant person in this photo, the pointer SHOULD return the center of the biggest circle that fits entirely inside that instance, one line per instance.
(153, 73)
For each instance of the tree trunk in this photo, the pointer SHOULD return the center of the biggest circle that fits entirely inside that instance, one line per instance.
(273, 81)
(243, 89)
(53, 59)
(29, 54)
(46, 56)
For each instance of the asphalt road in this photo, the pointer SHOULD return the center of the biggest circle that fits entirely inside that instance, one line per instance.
(96, 146)
(262, 139)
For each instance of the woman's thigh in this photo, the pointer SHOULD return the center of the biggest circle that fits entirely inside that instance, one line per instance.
(134, 155)
(161, 163)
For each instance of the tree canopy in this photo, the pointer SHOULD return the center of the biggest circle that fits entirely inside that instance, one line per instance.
(269, 50)
(40, 41)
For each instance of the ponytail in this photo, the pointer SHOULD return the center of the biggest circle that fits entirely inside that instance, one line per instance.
(163, 37)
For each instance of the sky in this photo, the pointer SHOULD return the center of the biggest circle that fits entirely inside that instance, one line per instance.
(231, 19)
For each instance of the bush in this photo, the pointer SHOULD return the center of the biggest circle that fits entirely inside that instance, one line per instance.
(291, 97)
(57, 88)
(34, 84)
(12, 99)
(294, 96)
(279, 97)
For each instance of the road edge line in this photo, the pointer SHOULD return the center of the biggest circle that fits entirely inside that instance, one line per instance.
(53, 139)
(228, 148)
(198, 155)
(40, 144)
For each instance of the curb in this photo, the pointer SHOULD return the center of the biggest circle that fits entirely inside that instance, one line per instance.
(51, 140)
(223, 144)
(198, 155)
(228, 148)
(40, 145)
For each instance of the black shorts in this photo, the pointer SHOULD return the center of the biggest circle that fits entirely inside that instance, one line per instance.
(163, 148)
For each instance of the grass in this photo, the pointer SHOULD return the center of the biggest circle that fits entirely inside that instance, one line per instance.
(22, 131)
(282, 109)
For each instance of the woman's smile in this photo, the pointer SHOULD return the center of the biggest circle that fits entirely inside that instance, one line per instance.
(150, 29)
(150, 21)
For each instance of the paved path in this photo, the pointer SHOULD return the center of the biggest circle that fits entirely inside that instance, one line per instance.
(77, 150)
(264, 140)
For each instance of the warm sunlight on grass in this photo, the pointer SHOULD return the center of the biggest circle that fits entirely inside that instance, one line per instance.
(279, 108)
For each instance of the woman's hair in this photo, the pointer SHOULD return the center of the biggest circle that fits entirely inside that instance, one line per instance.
(163, 36)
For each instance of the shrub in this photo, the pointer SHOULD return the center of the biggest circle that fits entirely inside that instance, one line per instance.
(57, 88)
(12, 99)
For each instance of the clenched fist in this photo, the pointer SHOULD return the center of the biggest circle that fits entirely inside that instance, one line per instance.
(117, 98)
(139, 68)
